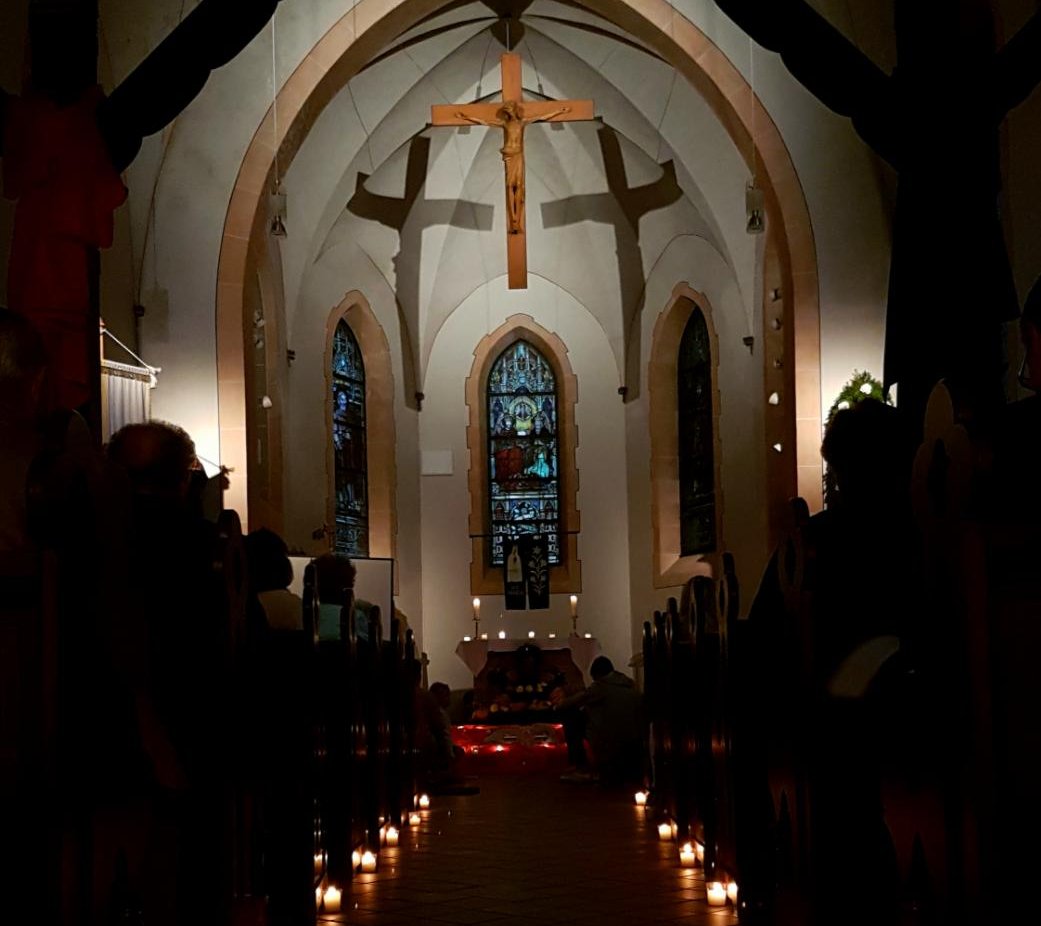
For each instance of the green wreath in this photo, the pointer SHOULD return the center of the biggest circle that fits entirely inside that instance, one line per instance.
(862, 386)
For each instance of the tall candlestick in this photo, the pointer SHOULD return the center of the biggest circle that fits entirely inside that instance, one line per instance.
(477, 616)
(574, 612)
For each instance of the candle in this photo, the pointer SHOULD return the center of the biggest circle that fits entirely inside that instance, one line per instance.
(368, 861)
(414, 819)
(356, 858)
(383, 835)
(588, 636)
(699, 849)
(319, 861)
(424, 802)
(331, 900)
(318, 892)
(641, 798)
(467, 639)
(477, 609)
(392, 836)
(502, 634)
(484, 636)
(732, 892)
(675, 829)
(531, 634)
(665, 831)
(552, 636)
(574, 605)
(717, 894)
(687, 855)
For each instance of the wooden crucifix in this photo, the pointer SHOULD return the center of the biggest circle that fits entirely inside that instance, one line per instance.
(512, 115)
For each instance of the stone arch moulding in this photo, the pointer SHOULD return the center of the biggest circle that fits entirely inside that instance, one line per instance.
(670, 567)
(368, 28)
(379, 415)
(486, 579)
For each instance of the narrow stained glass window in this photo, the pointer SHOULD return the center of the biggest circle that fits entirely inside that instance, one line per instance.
(349, 450)
(697, 462)
(523, 449)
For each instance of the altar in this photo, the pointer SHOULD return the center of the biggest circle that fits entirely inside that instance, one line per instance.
(516, 681)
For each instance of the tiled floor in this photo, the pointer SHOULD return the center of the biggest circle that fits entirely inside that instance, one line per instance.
(529, 850)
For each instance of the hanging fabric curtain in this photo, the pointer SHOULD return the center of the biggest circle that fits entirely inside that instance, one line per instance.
(126, 392)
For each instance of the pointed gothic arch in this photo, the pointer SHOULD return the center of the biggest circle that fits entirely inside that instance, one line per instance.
(485, 573)
(353, 321)
(686, 449)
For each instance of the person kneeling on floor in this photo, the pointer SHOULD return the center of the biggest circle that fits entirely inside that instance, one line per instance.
(609, 716)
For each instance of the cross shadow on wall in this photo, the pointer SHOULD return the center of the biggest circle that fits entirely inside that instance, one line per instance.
(409, 215)
(621, 207)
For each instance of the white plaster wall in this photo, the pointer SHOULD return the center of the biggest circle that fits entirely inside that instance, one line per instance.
(599, 415)
(206, 145)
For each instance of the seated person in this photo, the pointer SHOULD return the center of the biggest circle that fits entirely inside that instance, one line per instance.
(438, 755)
(608, 714)
(270, 573)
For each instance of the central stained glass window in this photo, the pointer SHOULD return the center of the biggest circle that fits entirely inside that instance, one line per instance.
(523, 450)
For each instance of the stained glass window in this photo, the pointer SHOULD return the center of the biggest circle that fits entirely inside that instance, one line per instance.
(349, 450)
(697, 462)
(523, 449)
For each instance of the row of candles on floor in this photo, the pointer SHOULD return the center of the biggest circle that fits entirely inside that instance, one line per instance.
(692, 854)
(328, 898)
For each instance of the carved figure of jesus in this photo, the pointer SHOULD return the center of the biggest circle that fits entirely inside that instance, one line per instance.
(511, 119)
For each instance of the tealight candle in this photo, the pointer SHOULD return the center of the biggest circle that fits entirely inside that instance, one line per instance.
(687, 855)
(502, 634)
(484, 636)
(589, 636)
(331, 899)
(392, 836)
(552, 636)
(641, 798)
(699, 850)
(383, 835)
(414, 819)
(368, 861)
(732, 892)
(717, 894)
(531, 634)
(665, 831)
(356, 858)
(424, 802)
(467, 639)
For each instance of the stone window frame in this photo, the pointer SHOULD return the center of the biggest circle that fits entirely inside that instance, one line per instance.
(671, 568)
(485, 579)
(354, 309)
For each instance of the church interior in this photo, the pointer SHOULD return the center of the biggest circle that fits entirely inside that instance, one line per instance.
(517, 461)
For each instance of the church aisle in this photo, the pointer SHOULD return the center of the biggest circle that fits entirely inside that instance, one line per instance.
(531, 850)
